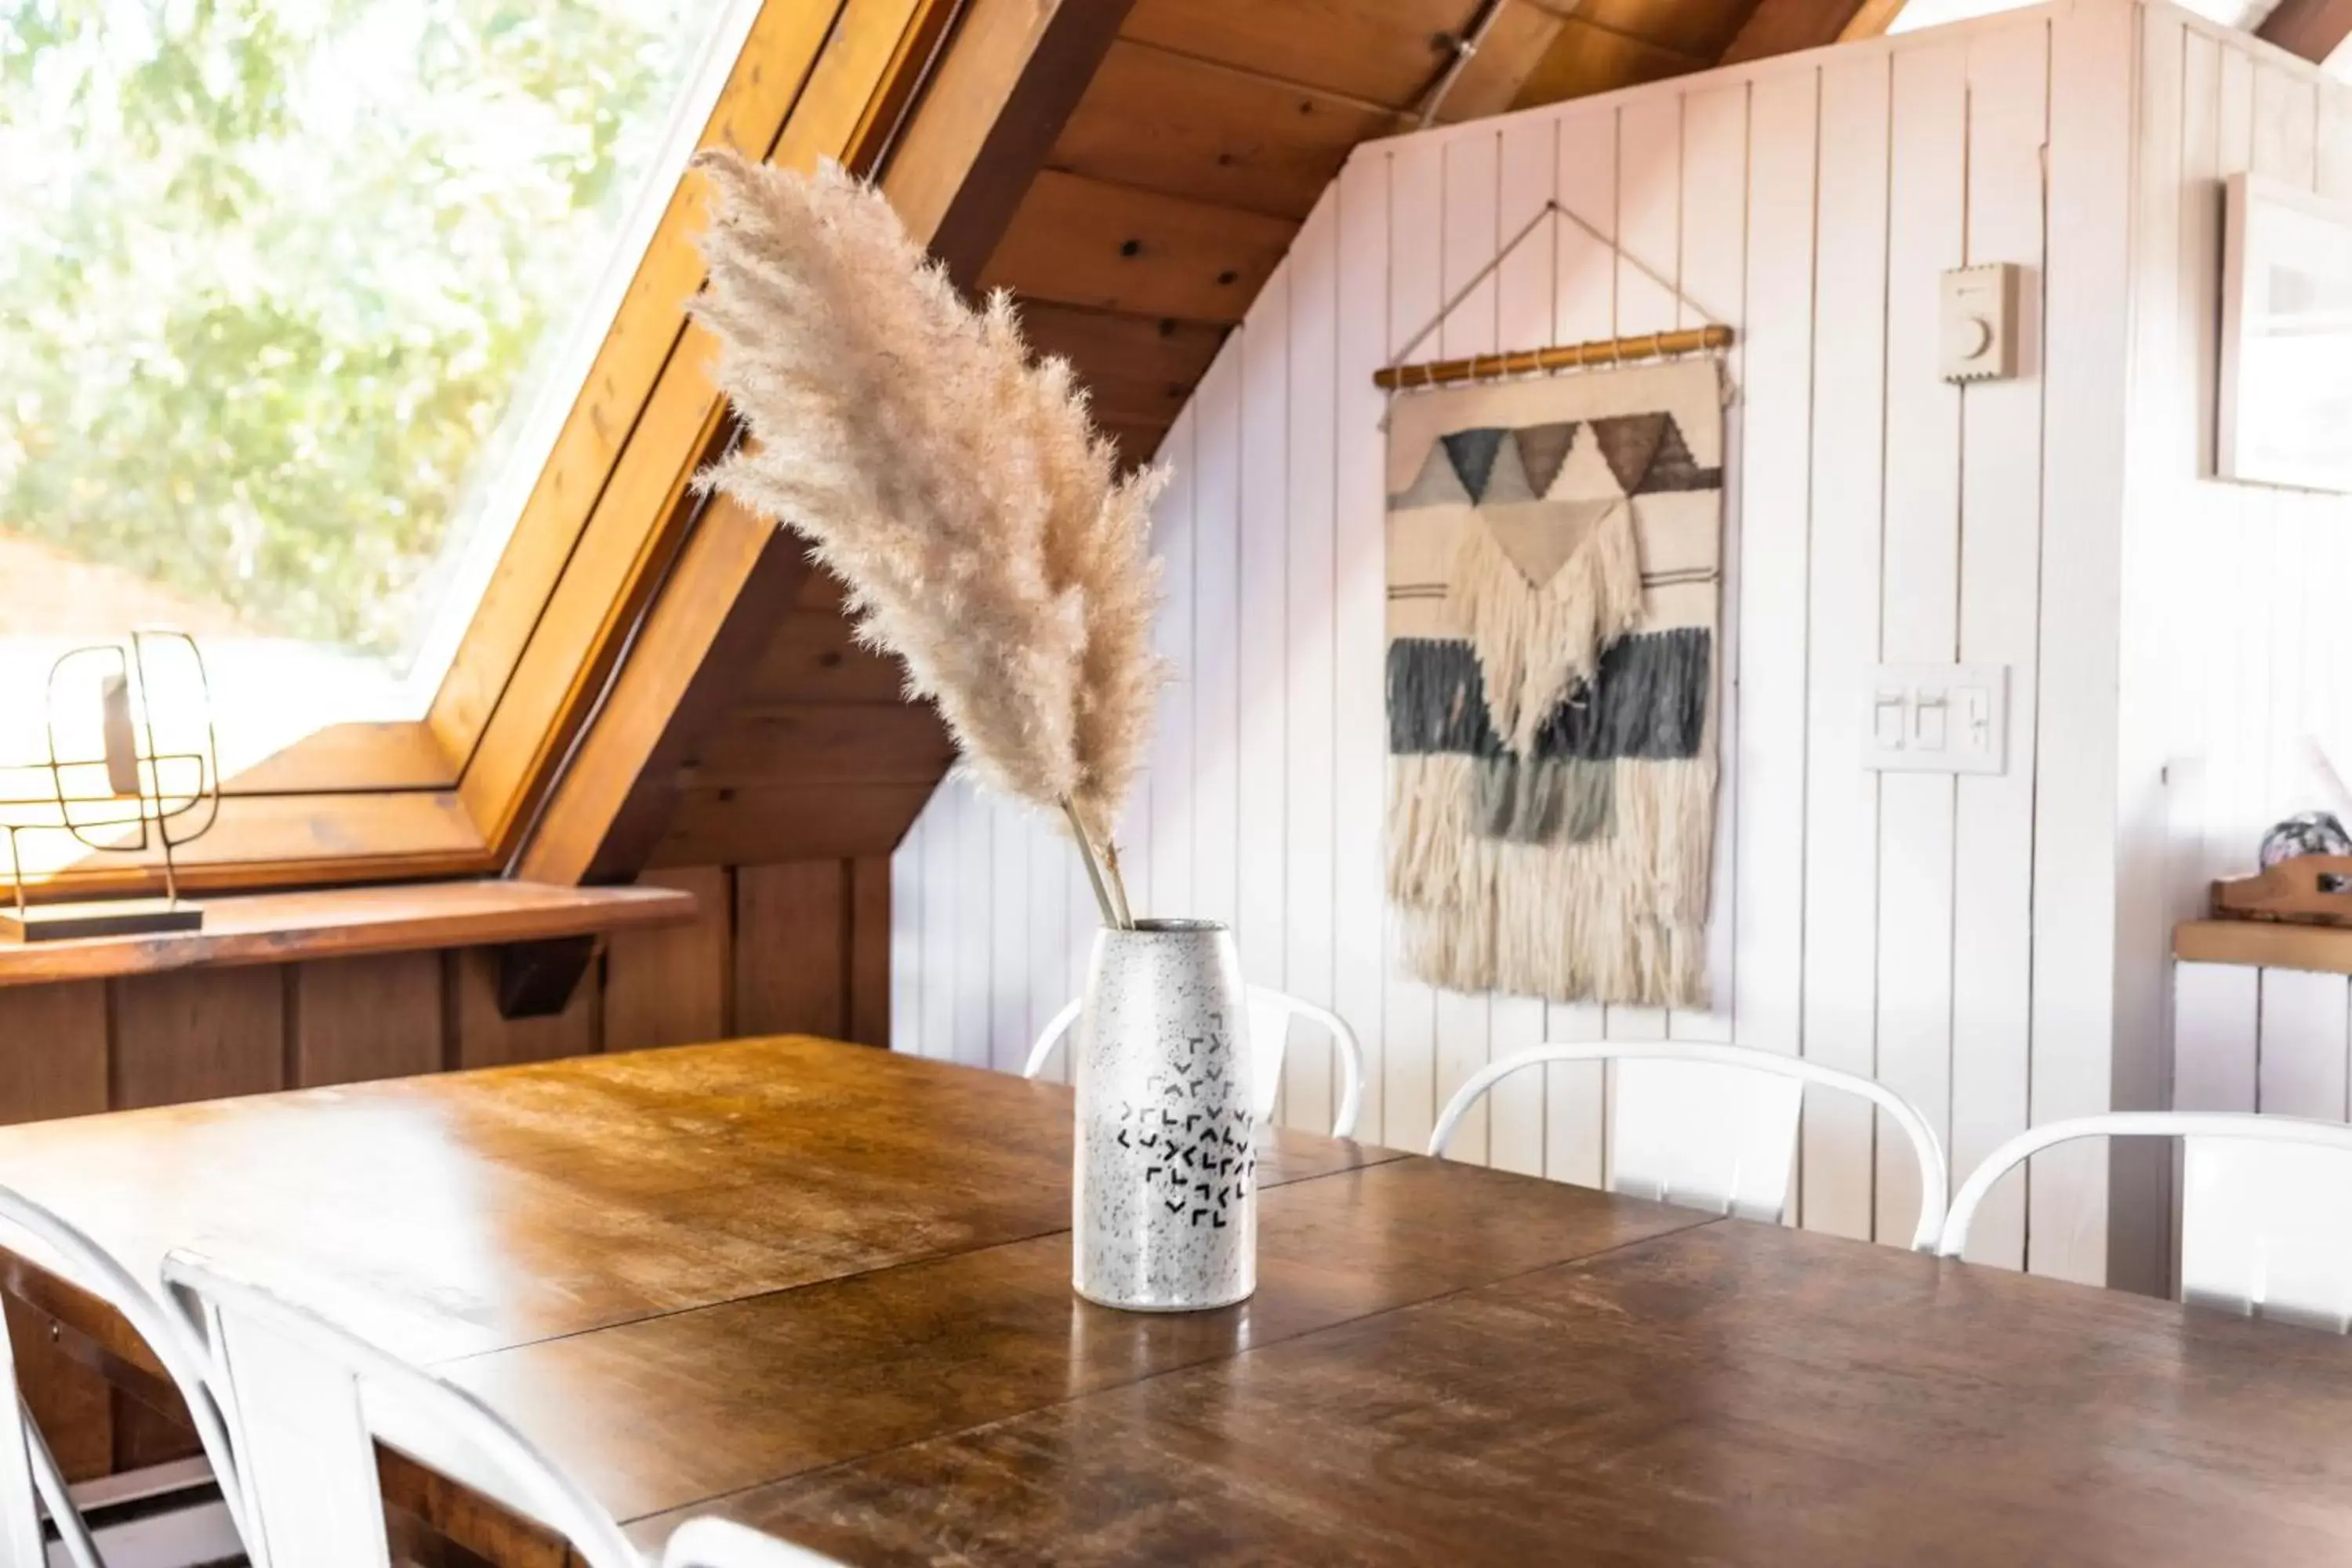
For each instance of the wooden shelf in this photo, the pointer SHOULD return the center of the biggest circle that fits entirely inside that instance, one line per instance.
(2265, 944)
(337, 923)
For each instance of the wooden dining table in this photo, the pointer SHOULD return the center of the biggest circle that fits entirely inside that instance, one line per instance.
(825, 1289)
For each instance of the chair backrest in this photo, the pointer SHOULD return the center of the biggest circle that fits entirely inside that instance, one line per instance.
(719, 1543)
(2266, 1206)
(1270, 1015)
(27, 1469)
(1712, 1126)
(306, 1401)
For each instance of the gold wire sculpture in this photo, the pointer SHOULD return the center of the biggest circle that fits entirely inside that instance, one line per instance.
(133, 797)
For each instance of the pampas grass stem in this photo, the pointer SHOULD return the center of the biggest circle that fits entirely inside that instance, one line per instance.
(1110, 911)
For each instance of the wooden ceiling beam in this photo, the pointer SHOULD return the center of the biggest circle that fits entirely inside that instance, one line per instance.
(1786, 26)
(1517, 39)
(2312, 28)
(1009, 83)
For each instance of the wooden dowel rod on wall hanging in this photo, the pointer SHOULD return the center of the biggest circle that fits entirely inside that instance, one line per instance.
(1567, 357)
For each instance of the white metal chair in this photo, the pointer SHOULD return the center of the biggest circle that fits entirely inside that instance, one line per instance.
(1270, 1012)
(718, 1543)
(2266, 1206)
(1713, 1127)
(306, 1401)
(27, 1469)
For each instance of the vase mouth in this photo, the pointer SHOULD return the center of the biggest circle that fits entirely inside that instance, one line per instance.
(1170, 927)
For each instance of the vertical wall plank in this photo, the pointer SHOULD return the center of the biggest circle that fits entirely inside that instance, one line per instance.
(1468, 243)
(198, 1033)
(1359, 612)
(792, 948)
(1416, 200)
(868, 1011)
(1308, 735)
(1525, 310)
(1648, 227)
(1918, 598)
(1992, 960)
(1171, 744)
(1841, 838)
(483, 1039)
(1713, 269)
(2304, 1018)
(1061, 918)
(907, 923)
(940, 911)
(52, 1051)
(975, 993)
(1216, 634)
(354, 1019)
(2159, 882)
(1584, 295)
(2084, 1051)
(2216, 1018)
(1260, 818)
(1010, 830)
(1777, 497)
(670, 986)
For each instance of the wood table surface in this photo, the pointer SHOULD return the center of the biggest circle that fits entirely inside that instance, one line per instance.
(825, 1289)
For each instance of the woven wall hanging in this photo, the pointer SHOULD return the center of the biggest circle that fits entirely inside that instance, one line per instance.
(1554, 587)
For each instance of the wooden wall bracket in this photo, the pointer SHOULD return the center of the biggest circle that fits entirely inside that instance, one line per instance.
(536, 979)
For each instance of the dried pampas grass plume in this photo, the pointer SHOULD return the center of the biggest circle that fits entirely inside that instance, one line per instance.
(957, 487)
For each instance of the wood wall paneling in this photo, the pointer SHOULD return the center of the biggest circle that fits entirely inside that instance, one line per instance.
(480, 1037)
(2256, 680)
(53, 1050)
(794, 923)
(1884, 923)
(672, 986)
(198, 1033)
(352, 1019)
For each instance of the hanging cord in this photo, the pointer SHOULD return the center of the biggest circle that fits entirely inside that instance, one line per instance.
(1551, 209)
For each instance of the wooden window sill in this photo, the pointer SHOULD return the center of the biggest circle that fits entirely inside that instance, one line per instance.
(339, 922)
(2265, 944)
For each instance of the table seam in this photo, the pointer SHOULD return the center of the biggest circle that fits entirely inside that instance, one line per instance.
(1026, 1237)
(1701, 1223)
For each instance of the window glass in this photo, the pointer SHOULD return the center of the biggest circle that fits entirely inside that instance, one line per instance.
(294, 296)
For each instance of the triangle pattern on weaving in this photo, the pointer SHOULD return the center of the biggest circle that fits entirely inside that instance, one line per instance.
(1506, 481)
(1629, 444)
(1473, 454)
(1542, 449)
(1584, 474)
(1436, 485)
(1675, 468)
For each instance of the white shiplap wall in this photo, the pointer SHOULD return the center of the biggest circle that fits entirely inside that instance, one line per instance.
(2246, 585)
(1953, 936)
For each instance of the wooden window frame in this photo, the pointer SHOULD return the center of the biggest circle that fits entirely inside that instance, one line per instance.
(607, 520)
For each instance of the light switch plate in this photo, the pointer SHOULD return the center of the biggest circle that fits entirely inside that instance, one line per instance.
(1936, 719)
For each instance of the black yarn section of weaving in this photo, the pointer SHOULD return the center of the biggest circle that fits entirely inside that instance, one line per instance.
(1648, 700)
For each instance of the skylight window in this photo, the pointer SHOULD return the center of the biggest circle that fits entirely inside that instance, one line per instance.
(294, 296)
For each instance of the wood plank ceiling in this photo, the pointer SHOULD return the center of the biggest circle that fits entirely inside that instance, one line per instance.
(1211, 126)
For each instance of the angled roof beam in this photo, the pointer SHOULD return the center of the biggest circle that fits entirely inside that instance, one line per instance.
(1785, 26)
(1000, 89)
(2312, 28)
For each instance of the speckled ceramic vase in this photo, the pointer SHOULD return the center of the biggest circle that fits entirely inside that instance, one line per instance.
(1166, 1180)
